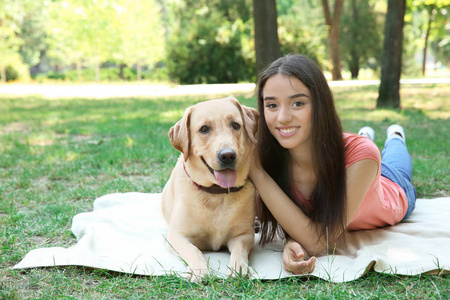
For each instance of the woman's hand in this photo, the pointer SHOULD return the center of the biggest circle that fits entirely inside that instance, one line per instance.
(295, 258)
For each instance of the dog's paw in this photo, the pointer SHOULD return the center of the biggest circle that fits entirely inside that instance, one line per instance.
(243, 270)
(196, 275)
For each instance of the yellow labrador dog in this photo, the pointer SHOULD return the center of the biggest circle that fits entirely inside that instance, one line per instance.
(208, 200)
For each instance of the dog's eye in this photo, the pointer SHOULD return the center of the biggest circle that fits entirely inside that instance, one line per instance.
(235, 125)
(204, 129)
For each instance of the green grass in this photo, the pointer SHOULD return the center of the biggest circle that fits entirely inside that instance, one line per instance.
(58, 156)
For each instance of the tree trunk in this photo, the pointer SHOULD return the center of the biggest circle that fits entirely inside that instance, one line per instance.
(121, 67)
(354, 64)
(354, 53)
(333, 36)
(391, 58)
(267, 44)
(427, 35)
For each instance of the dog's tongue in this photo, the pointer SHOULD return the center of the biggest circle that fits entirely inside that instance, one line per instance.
(226, 178)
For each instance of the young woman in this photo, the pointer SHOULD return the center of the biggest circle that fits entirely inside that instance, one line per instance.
(314, 180)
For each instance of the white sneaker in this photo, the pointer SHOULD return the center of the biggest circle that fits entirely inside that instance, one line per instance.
(394, 129)
(368, 132)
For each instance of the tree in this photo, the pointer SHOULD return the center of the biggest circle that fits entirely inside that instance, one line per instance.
(101, 33)
(440, 41)
(141, 34)
(435, 11)
(298, 36)
(209, 42)
(360, 36)
(83, 32)
(9, 49)
(267, 44)
(32, 31)
(11, 13)
(65, 34)
(333, 35)
(391, 58)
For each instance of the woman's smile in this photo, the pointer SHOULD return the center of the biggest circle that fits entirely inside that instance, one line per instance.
(288, 131)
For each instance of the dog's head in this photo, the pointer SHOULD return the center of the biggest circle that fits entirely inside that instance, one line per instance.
(216, 138)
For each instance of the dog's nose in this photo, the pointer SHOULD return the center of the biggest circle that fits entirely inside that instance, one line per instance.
(227, 155)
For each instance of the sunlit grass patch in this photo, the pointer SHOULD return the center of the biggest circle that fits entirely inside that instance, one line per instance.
(172, 114)
(433, 101)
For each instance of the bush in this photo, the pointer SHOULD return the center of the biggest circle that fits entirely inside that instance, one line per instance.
(207, 53)
(11, 73)
(16, 70)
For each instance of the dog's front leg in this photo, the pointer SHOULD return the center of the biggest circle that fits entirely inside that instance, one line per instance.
(240, 247)
(196, 264)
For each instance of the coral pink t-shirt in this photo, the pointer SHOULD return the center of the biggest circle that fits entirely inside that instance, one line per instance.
(385, 202)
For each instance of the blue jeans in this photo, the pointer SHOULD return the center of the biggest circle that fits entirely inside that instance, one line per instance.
(396, 165)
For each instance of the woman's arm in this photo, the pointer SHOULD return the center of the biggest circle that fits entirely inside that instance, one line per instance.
(360, 176)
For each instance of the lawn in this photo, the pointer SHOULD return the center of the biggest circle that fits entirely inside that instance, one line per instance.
(58, 155)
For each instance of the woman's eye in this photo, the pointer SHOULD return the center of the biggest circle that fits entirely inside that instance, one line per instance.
(298, 104)
(204, 129)
(235, 125)
(271, 105)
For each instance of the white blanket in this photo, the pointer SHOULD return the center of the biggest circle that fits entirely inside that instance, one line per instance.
(126, 233)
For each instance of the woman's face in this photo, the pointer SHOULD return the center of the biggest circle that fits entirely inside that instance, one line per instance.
(288, 111)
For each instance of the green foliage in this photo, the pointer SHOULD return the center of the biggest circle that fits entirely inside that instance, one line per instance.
(441, 50)
(81, 30)
(202, 40)
(360, 36)
(140, 30)
(298, 36)
(11, 73)
(33, 32)
(212, 49)
(421, 16)
(15, 69)
(10, 60)
(21, 35)
(90, 33)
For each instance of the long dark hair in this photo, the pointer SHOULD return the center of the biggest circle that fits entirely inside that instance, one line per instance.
(328, 211)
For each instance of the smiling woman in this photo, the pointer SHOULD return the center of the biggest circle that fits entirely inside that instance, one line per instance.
(313, 180)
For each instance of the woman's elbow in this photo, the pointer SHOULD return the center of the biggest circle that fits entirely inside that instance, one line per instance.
(318, 249)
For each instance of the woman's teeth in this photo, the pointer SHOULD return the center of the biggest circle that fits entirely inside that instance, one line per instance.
(288, 130)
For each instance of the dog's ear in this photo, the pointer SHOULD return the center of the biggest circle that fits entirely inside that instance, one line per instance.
(179, 133)
(250, 116)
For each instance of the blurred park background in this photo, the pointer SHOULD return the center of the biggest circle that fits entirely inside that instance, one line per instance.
(212, 41)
